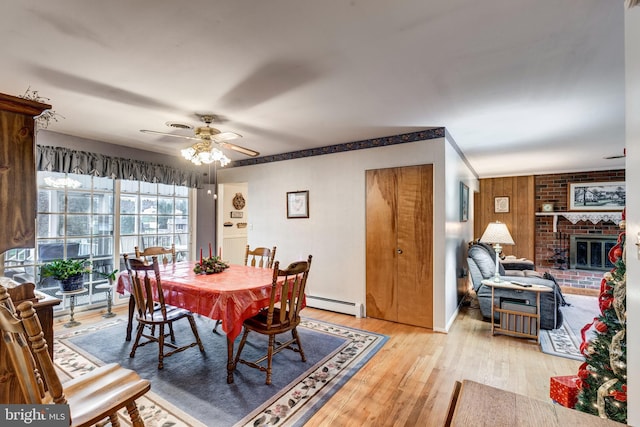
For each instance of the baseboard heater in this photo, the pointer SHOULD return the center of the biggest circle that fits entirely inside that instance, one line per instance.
(352, 308)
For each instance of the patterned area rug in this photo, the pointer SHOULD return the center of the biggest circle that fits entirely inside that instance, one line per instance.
(561, 342)
(291, 405)
(565, 341)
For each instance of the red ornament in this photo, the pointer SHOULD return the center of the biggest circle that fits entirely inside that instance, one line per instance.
(583, 373)
(620, 396)
(615, 253)
(601, 327)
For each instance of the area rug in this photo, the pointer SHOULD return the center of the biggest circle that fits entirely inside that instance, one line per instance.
(191, 390)
(565, 341)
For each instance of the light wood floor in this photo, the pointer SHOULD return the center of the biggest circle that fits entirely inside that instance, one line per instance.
(409, 381)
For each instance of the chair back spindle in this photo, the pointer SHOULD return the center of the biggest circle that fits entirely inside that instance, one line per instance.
(142, 287)
(259, 257)
(291, 291)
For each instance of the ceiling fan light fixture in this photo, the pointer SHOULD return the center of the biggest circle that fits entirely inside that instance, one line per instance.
(204, 153)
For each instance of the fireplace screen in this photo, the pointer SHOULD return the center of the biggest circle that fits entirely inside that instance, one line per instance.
(590, 252)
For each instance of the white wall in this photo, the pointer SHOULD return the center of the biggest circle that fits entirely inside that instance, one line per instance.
(632, 64)
(334, 233)
(458, 234)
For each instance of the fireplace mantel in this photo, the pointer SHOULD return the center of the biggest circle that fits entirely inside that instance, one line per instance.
(574, 217)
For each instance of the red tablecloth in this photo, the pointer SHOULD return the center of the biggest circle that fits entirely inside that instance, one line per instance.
(234, 295)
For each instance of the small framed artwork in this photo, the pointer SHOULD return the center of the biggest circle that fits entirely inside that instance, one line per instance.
(464, 202)
(597, 196)
(501, 204)
(236, 214)
(298, 204)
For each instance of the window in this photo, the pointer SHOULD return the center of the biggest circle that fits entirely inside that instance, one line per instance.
(76, 220)
(154, 215)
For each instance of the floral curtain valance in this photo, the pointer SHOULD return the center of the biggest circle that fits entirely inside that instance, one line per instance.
(59, 159)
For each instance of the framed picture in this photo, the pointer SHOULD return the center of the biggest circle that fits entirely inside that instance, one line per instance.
(298, 204)
(501, 204)
(464, 202)
(597, 196)
(236, 214)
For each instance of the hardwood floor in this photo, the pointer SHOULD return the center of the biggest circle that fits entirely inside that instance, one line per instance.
(410, 380)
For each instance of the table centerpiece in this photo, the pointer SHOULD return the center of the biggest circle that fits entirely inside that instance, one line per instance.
(210, 265)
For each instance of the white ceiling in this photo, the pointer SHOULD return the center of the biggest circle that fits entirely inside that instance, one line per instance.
(521, 86)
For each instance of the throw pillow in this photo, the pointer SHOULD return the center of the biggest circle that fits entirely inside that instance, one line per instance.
(489, 252)
(485, 263)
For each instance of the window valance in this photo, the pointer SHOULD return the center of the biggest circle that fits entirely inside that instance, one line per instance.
(60, 159)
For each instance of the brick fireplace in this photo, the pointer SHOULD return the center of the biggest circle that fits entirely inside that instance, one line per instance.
(553, 247)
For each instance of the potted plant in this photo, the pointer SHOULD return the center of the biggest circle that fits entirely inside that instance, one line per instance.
(69, 273)
(110, 276)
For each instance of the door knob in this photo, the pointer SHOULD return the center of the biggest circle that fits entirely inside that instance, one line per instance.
(399, 251)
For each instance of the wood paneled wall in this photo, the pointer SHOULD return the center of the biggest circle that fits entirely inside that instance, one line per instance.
(521, 216)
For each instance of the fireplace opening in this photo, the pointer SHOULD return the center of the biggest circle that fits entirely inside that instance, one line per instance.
(591, 252)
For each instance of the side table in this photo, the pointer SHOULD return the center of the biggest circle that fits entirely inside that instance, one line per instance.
(109, 288)
(515, 322)
(72, 303)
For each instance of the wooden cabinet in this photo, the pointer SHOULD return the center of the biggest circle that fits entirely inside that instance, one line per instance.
(18, 171)
(399, 233)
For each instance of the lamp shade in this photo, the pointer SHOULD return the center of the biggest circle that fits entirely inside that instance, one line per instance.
(497, 233)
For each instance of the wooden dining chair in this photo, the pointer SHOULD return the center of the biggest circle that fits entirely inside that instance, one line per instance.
(92, 397)
(260, 257)
(145, 278)
(155, 251)
(281, 316)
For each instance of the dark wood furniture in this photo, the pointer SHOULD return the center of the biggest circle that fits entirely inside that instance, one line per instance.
(482, 405)
(92, 397)
(153, 313)
(43, 305)
(264, 257)
(18, 171)
(236, 294)
(280, 316)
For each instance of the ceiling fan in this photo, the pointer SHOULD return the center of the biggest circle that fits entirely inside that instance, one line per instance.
(209, 136)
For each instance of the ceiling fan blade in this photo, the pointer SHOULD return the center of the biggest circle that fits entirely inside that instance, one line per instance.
(225, 136)
(239, 149)
(153, 132)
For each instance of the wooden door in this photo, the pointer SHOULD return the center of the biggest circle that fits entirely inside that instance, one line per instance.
(399, 223)
(382, 292)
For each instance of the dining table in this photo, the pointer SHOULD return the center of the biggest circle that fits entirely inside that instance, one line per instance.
(232, 296)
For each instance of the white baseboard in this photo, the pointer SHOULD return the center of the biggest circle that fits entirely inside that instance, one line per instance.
(353, 309)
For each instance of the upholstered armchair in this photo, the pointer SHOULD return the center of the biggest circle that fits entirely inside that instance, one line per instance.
(482, 265)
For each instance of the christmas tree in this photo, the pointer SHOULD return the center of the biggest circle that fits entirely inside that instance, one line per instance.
(603, 375)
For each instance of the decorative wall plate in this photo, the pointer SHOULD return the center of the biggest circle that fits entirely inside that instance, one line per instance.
(238, 201)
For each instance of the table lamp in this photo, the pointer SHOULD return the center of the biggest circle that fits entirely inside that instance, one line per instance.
(497, 234)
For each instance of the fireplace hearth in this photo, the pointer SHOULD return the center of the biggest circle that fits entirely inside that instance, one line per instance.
(590, 251)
